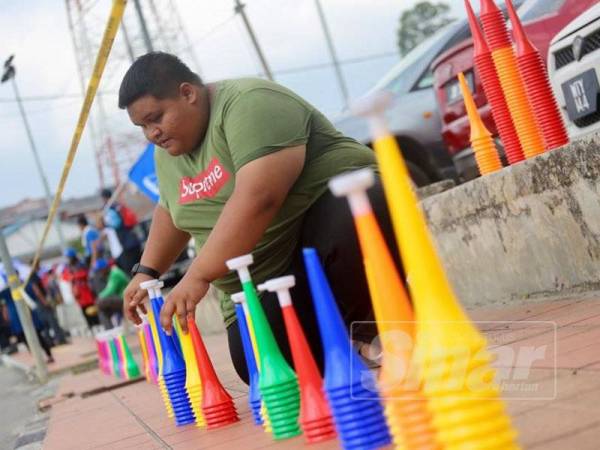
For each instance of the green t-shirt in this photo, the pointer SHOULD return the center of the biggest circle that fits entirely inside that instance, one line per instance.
(251, 118)
(116, 284)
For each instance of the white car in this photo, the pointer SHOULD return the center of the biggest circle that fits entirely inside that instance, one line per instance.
(574, 68)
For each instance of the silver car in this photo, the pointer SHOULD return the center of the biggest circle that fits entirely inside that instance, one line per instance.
(574, 61)
(413, 115)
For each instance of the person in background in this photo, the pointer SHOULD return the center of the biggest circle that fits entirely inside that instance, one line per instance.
(76, 272)
(108, 240)
(89, 239)
(17, 329)
(51, 284)
(108, 283)
(47, 313)
(123, 220)
(5, 344)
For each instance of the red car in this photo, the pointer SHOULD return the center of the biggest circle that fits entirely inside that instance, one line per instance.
(542, 20)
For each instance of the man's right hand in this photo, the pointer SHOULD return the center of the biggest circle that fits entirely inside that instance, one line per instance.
(134, 296)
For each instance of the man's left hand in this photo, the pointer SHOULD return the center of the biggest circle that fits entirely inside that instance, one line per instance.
(182, 300)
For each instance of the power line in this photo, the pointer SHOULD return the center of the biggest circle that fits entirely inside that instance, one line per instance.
(71, 104)
(326, 65)
(52, 97)
(305, 68)
(210, 32)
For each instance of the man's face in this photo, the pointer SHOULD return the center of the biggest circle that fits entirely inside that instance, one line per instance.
(172, 123)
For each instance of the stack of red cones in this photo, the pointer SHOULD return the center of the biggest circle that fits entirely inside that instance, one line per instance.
(217, 404)
(493, 91)
(513, 88)
(494, 26)
(315, 415)
(534, 74)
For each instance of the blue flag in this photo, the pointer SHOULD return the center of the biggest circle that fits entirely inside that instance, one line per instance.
(143, 174)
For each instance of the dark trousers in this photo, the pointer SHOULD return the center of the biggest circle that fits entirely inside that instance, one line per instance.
(107, 307)
(128, 258)
(329, 228)
(44, 342)
(48, 316)
(90, 318)
(4, 335)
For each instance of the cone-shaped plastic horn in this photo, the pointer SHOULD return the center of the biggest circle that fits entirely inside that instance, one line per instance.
(513, 88)
(534, 73)
(406, 408)
(277, 379)
(349, 384)
(131, 366)
(193, 383)
(486, 154)
(214, 395)
(315, 416)
(494, 25)
(466, 414)
(254, 397)
(173, 367)
(486, 70)
(116, 366)
(145, 357)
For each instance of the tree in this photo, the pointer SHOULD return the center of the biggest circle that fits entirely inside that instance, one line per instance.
(420, 22)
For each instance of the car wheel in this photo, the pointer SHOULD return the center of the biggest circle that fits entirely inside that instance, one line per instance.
(417, 174)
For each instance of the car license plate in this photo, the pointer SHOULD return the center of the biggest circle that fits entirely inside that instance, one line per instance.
(581, 94)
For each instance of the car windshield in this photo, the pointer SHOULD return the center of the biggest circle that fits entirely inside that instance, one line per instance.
(390, 80)
(534, 9)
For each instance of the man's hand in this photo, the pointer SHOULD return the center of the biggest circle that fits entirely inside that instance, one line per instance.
(134, 296)
(182, 300)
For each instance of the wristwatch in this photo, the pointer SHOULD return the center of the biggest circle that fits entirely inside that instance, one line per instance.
(138, 268)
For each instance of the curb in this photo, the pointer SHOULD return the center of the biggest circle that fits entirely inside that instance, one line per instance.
(13, 363)
(75, 369)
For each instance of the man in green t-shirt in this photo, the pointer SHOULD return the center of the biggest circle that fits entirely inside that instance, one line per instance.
(243, 167)
(109, 284)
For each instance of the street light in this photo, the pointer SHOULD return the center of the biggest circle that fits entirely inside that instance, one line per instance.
(9, 74)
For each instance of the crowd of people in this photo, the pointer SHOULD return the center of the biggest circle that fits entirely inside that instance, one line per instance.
(96, 277)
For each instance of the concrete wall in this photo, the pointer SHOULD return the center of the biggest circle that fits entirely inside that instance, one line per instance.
(528, 230)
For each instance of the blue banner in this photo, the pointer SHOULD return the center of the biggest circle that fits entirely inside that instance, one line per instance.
(143, 174)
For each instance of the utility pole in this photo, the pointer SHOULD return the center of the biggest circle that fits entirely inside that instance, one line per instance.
(142, 19)
(167, 32)
(23, 312)
(239, 8)
(9, 74)
(127, 42)
(334, 60)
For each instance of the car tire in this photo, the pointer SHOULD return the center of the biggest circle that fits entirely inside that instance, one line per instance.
(418, 175)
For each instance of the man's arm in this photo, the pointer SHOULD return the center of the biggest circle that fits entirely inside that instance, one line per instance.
(261, 187)
(165, 243)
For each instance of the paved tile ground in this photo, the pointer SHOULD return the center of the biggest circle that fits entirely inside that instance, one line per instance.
(82, 351)
(78, 355)
(554, 401)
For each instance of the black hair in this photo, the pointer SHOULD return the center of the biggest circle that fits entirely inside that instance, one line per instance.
(106, 193)
(156, 73)
(82, 220)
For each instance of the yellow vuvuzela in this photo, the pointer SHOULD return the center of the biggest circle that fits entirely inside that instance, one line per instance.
(450, 352)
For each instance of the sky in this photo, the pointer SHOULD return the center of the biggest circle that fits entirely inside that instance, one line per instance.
(37, 32)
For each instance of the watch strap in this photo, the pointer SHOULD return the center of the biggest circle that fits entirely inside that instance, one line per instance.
(139, 268)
